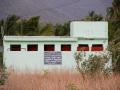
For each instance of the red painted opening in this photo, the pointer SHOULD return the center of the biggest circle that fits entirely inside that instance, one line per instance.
(49, 48)
(66, 47)
(83, 47)
(97, 47)
(32, 47)
(15, 47)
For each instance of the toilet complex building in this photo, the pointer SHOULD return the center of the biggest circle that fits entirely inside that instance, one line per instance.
(55, 52)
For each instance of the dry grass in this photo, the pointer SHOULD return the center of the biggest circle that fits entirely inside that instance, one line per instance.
(60, 81)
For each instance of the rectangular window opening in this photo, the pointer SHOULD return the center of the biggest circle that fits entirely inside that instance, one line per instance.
(83, 47)
(66, 47)
(97, 47)
(15, 47)
(32, 47)
(49, 47)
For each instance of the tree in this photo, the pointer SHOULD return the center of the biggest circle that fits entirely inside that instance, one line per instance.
(113, 13)
(62, 30)
(1, 33)
(30, 26)
(59, 30)
(47, 30)
(10, 25)
(113, 16)
(92, 16)
(1, 24)
(66, 27)
(115, 49)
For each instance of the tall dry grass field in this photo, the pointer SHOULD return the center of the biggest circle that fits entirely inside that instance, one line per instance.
(60, 81)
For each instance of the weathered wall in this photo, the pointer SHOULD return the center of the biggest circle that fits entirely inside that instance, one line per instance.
(88, 29)
(34, 60)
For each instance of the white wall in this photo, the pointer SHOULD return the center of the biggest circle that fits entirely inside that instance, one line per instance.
(87, 29)
(34, 60)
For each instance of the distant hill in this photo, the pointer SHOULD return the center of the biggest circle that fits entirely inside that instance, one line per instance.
(53, 10)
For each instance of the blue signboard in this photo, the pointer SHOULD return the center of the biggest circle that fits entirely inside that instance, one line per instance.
(52, 58)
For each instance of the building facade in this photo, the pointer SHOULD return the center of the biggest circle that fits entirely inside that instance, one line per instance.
(54, 52)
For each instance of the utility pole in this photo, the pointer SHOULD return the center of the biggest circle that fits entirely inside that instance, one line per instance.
(2, 38)
(2, 32)
(2, 46)
(21, 29)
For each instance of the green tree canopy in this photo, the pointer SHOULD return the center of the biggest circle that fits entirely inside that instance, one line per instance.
(92, 16)
(10, 25)
(30, 26)
(62, 30)
(47, 30)
(113, 16)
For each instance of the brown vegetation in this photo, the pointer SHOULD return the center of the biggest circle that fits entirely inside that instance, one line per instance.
(60, 81)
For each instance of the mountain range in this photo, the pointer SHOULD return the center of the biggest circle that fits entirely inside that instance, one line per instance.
(53, 10)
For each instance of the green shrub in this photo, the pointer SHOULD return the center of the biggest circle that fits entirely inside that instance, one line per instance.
(1, 59)
(115, 49)
(3, 75)
(3, 72)
(94, 64)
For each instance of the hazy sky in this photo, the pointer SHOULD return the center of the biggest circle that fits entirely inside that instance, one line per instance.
(53, 10)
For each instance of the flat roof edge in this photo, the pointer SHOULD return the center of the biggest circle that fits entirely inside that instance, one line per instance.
(46, 39)
(38, 38)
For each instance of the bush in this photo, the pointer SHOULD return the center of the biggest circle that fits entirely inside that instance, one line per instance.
(3, 72)
(94, 64)
(115, 49)
(3, 75)
(1, 59)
